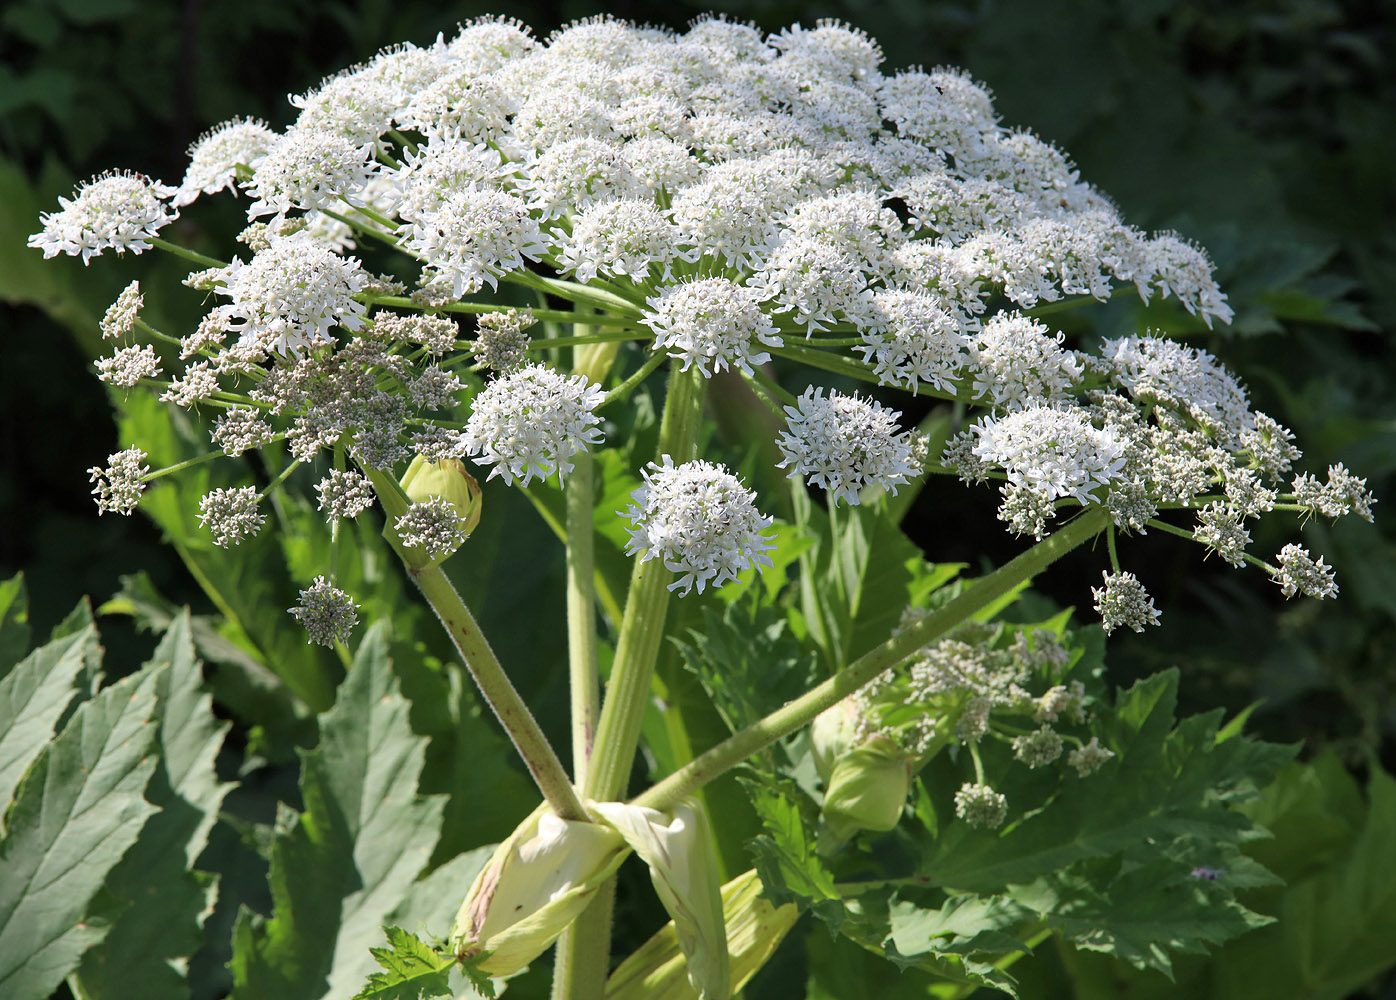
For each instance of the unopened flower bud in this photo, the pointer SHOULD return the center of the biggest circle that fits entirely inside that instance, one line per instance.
(867, 788)
(832, 734)
(533, 887)
(449, 481)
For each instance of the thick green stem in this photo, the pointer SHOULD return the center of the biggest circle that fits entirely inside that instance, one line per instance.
(642, 624)
(802, 710)
(583, 955)
(474, 649)
(581, 616)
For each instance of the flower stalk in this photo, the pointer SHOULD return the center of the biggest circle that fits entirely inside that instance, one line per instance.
(499, 692)
(790, 717)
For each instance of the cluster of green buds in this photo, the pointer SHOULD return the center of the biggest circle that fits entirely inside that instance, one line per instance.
(983, 680)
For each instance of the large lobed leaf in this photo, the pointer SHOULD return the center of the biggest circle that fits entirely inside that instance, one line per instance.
(35, 694)
(144, 954)
(352, 857)
(75, 813)
(1110, 861)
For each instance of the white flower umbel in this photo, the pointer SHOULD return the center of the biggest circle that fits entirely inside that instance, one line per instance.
(214, 158)
(231, 515)
(120, 318)
(844, 444)
(622, 237)
(1124, 601)
(129, 365)
(476, 236)
(1019, 363)
(712, 323)
(116, 211)
(700, 521)
(119, 486)
(1053, 452)
(913, 337)
(328, 613)
(308, 169)
(292, 294)
(818, 283)
(531, 422)
(1182, 269)
(1301, 573)
(1155, 369)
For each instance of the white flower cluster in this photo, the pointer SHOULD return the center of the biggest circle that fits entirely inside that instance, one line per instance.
(700, 521)
(711, 323)
(726, 192)
(116, 211)
(531, 422)
(291, 295)
(844, 444)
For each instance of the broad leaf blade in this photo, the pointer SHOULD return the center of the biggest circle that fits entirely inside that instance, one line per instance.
(138, 958)
(77, 811)
(352, 857)
(33, 697)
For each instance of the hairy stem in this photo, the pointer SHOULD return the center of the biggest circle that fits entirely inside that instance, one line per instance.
(895, 650)
(474, 649)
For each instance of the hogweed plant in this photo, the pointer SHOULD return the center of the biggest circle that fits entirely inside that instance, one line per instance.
(765, 222)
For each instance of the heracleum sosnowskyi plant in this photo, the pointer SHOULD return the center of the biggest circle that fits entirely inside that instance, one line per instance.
(569, 222)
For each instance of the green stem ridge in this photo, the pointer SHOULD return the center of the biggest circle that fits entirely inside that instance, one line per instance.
(474, 649)
(583, 675)
(899, 648)
(642, 624)
(583, 955)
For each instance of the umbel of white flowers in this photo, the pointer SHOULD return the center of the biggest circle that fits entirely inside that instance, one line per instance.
(734, 197)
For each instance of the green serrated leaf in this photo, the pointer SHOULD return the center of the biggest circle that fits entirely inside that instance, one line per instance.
(77, 811)
(339, 868)
(1165, 783)
(139, 957)
(1335, 928)
(240, 682)
(785, 856)
(33, 697)
(14, 622)
(412, 968)
(1142, 914)
(748, 662)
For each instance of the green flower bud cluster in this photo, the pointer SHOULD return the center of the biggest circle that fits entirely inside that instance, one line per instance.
(982, 680)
